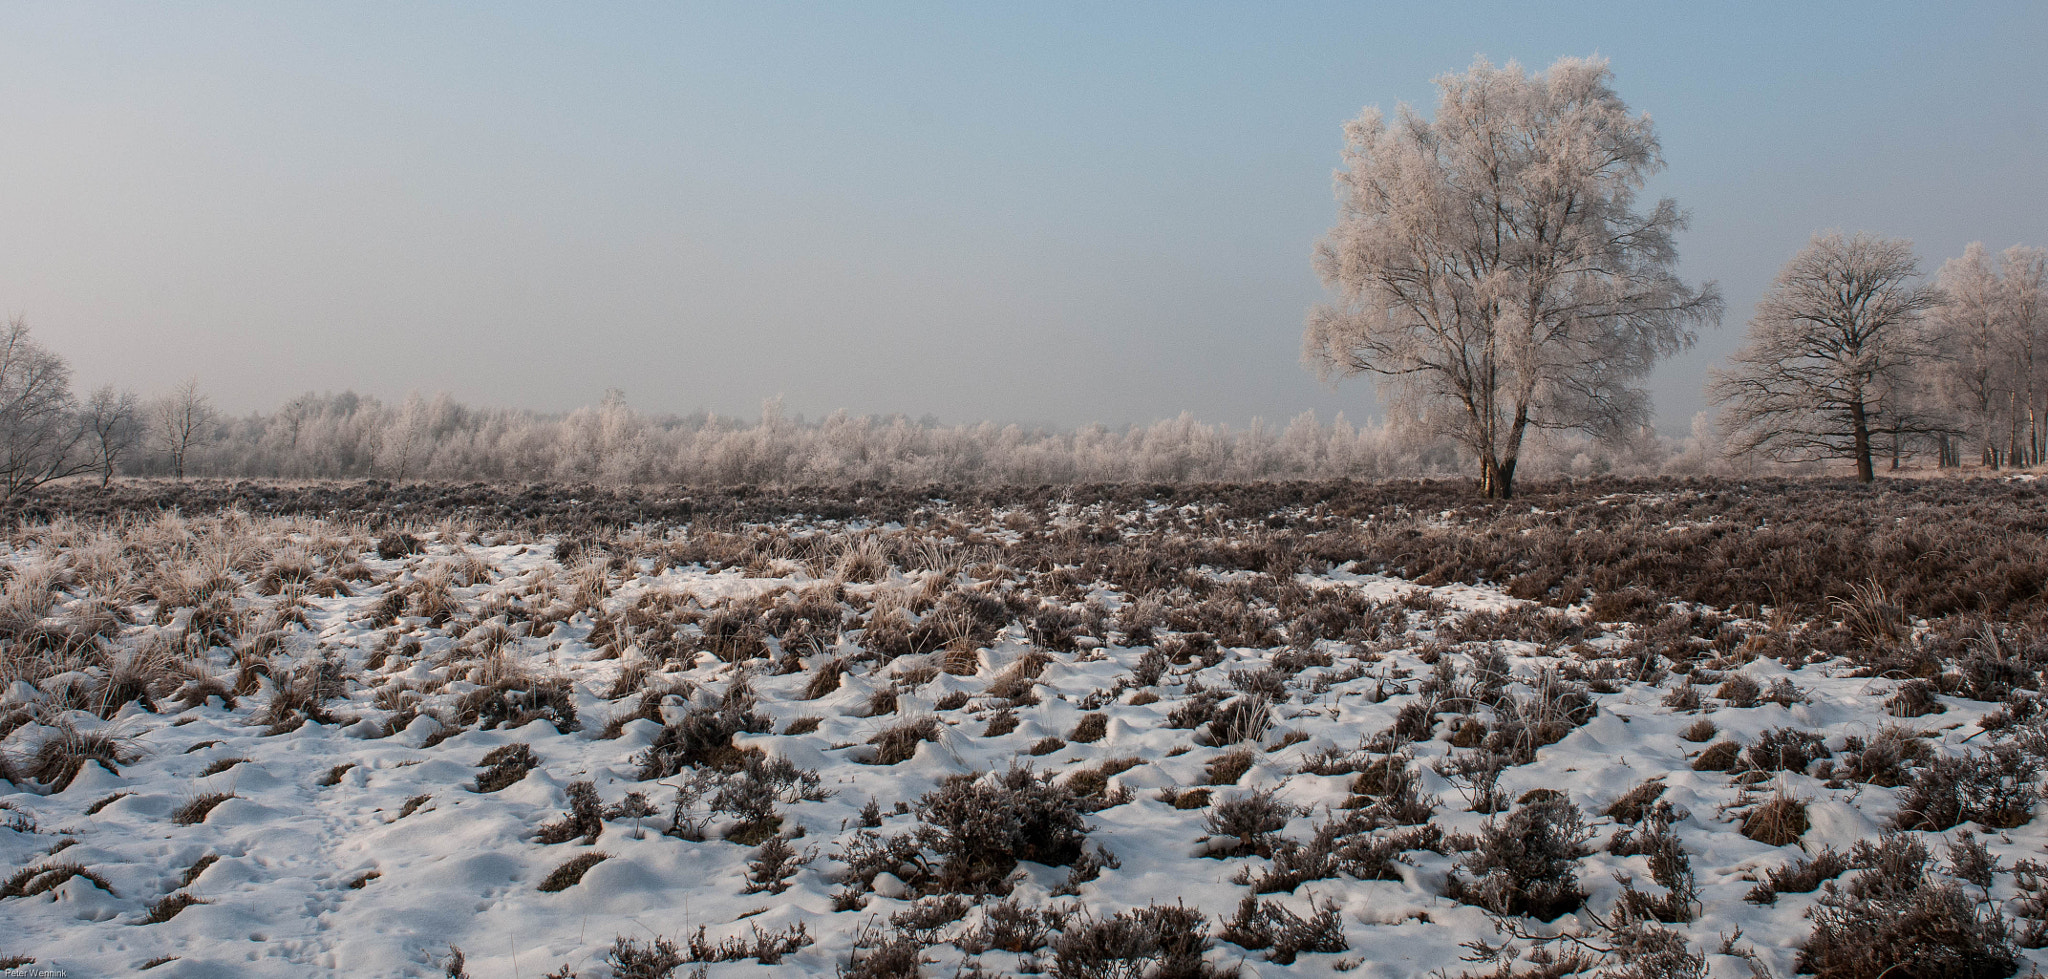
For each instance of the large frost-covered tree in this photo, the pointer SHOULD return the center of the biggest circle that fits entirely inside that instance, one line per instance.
(1492, 268)
(1836, 360)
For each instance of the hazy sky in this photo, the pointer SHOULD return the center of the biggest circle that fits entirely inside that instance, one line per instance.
(1034, 212)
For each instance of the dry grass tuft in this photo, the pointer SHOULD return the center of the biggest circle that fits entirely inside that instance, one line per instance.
(1778, 821)
(570, 873)
(168, 907)
(196, 810)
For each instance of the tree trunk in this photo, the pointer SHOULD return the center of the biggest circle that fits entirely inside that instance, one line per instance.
(1496, 479)
(1857, 416)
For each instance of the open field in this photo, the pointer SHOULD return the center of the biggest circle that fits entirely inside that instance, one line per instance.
(1635, 728)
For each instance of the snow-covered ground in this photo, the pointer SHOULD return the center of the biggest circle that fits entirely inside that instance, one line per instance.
(357, 843)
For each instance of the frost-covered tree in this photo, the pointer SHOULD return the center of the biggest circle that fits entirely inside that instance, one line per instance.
(182, 421)
(1492, 268)
(2024, 298)
(1992, 332)
(41, 438)
(1976, 378)
(1835, 359)
(113, 424)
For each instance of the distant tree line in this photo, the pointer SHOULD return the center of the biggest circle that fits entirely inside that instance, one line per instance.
(49, 435)
(350, 436)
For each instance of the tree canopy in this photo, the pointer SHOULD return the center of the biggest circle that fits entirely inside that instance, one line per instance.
(1492, 268)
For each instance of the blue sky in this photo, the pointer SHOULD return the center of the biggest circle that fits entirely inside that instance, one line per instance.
(1055, 213)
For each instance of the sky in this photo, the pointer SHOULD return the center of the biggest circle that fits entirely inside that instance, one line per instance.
(1048, 213)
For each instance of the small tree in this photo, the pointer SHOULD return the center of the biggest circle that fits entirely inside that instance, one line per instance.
(1829, 367)
(40, 434)
(1492, 266)
(113, 423)
(184, 420)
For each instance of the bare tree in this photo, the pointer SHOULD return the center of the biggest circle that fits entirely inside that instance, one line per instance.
(40, 435)
(1492, 267)
(184, 420)
(113, 424)
(1831, 357)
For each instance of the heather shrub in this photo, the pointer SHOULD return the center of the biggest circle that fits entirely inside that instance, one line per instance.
(1227, 768)
(1647, 951)
(1914, 698)
(1199, 708)
(630, 958)
(1970, 860)
(984, 824)
(1995, 788)
(1896, 919)
(1718, 757)
(766, 947)
(1245, 824)
(703, 738)
(1634, 804)
(501, 767)
(1009, 926)
(1670, 868)
(1885, 760)
(585, 818)
(1740, 690)
(1784, 749)
(731, 632)
(33, 880)
(773, 864)
(1389, 788)
(1156, 942)
(878, 954)
(1270, 925)
(1342, 845)
(168, 907)
(518, 700)
(1801, 876)
(1527, 864)
(927, 916)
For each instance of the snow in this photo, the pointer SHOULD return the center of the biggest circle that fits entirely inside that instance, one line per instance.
(317, 880)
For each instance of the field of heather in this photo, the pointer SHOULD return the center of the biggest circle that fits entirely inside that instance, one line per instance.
(1619, 728)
